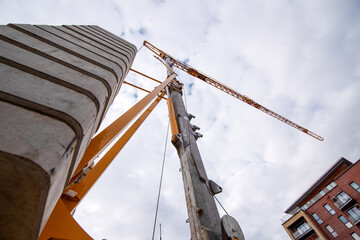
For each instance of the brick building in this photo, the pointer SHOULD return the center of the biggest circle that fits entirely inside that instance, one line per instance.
(329, 208)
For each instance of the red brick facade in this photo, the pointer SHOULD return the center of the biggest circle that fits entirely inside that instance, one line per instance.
(343, 184)
(342, 176)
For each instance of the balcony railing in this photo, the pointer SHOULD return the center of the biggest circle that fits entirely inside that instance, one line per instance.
(343, 204)
(302, 232)
(286, 217)
(314, 199)
(354, 221)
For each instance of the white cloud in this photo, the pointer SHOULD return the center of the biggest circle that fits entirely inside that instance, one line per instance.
(299, 58)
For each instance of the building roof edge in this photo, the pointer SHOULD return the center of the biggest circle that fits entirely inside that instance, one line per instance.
(318, 182)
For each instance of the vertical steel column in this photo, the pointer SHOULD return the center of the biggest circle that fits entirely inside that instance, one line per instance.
(202, 211)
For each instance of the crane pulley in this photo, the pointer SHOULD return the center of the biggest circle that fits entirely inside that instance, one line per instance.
(196, 73)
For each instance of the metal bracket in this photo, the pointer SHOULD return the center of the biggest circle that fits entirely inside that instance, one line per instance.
(175, 138)
(197, 135)
(190, 116)
(215, 188)
(230, 229)
(194, 127)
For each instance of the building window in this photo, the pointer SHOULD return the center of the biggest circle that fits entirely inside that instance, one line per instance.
(354, 212)
(345, 221)
(355, 186)
(303, 228)
(331, 185)
(330, 210)
(304, 207)
(355, 236)
(316, 217)
(328, 188)
(331, 231)
(343, 197)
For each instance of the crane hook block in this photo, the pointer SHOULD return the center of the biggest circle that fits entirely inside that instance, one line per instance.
(230, 229)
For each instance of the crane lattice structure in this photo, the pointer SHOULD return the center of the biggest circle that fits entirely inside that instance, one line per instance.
(196, 73)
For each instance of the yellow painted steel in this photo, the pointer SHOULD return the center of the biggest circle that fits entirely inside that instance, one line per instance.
(89, 180)
(140, 88)
(173, 123)
(61, 225)
(142, 74)
(161, 60)
(103, 139)
(175, 88)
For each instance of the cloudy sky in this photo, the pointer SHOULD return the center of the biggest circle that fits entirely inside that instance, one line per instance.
(298, 58)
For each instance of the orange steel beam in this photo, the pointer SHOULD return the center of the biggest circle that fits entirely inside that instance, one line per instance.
(89, 180)
(173, 123)
(176, 83)
(136, 87)
(160, 59)
(61, 225)
(103, 139)
(192, 71)
(142, 74)
(140, 88)
(175, 88)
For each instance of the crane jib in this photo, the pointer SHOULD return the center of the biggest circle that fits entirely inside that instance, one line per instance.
(193, 72)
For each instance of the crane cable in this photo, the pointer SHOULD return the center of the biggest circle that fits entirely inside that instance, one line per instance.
(160, 184)
(139, 48)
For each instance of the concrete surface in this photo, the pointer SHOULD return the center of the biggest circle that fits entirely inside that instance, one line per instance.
(56, 86)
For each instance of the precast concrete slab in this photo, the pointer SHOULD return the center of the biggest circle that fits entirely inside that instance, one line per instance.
(57, 82)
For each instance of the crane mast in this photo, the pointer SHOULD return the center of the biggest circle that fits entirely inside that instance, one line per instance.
(196, 73)
(204, 219)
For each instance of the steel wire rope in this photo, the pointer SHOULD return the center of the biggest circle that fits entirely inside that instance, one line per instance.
(218, 201)
(140, 48)
(161, 178)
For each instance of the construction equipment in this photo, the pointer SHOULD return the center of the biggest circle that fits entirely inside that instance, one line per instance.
(200, 191)
(196, 73)
(59, 83)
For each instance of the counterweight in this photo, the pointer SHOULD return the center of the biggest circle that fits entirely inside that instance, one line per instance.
(192, 71)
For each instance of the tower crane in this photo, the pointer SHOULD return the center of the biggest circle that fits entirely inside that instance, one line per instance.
(196, 73)
(200, 191)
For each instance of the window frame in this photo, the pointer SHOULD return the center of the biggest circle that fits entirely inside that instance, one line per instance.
(357, 237)
(317, 218)
(331, 231)
(342, 196)
(303, 228)
(345, 221)
(330, 210)
(357, 213)
(356, 187)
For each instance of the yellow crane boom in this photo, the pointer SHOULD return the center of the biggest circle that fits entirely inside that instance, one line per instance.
(192, 71)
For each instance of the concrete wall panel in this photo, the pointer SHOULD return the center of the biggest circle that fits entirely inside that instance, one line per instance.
(56, 84)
